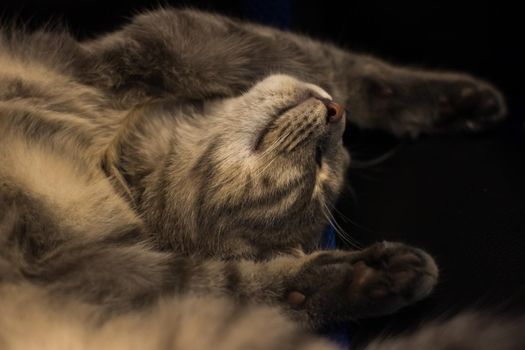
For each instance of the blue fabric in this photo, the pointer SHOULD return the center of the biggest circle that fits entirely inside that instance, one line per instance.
(276, 13)
(328, 240)
(338, 333)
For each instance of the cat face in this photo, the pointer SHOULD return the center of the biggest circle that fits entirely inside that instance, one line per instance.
(269, 167)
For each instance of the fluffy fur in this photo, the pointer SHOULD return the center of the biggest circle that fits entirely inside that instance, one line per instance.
(168, 177)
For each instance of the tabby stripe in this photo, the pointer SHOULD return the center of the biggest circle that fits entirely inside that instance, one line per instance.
(232, 277)
(298, 134)
(269, 198)
(300, 140)
(204, 169)
(291, 125)
(277, 222)
(163, 189)
(39, 126)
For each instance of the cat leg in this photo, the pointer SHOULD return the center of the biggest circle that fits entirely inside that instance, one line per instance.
(407, 101)
(170, 323)
(191, 55)
(327, 286)
(313, 289)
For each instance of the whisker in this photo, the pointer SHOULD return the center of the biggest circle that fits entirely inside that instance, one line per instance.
(352, 194)
(338, 229)
(262, 169)
(353, 222)
(330, 222)
(305, 135)
(343, 216)
(276, 143)
(357, 164)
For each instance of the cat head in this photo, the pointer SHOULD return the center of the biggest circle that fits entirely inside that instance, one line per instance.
(258, 171)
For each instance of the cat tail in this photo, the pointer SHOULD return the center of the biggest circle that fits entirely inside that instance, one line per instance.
(467, 331)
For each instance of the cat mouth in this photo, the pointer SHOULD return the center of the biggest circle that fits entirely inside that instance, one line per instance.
(333, 113)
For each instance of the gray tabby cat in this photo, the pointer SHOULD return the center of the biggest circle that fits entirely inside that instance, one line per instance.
(166, 185)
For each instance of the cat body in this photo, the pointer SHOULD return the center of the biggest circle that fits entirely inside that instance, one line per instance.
(176, 173)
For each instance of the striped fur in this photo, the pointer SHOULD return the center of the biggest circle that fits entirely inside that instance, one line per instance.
(162, 179)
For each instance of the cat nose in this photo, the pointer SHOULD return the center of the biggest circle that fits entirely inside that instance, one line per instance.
(334, 111)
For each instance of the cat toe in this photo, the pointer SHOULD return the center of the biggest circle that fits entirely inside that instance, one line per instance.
(376, 281)
(390, 276)
(469, 105)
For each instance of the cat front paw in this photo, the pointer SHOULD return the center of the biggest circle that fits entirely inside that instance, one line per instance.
(389, 276)
(378, 280)
(411, 103)
(469, 104)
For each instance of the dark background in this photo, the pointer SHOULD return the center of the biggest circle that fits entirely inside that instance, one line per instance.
(462, 197)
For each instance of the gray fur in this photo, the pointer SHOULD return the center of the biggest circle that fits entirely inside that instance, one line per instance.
(188, 154)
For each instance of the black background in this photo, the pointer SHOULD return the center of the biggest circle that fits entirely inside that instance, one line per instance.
(462, 197)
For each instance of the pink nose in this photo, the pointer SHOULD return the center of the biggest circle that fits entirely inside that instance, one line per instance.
(334, 111)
